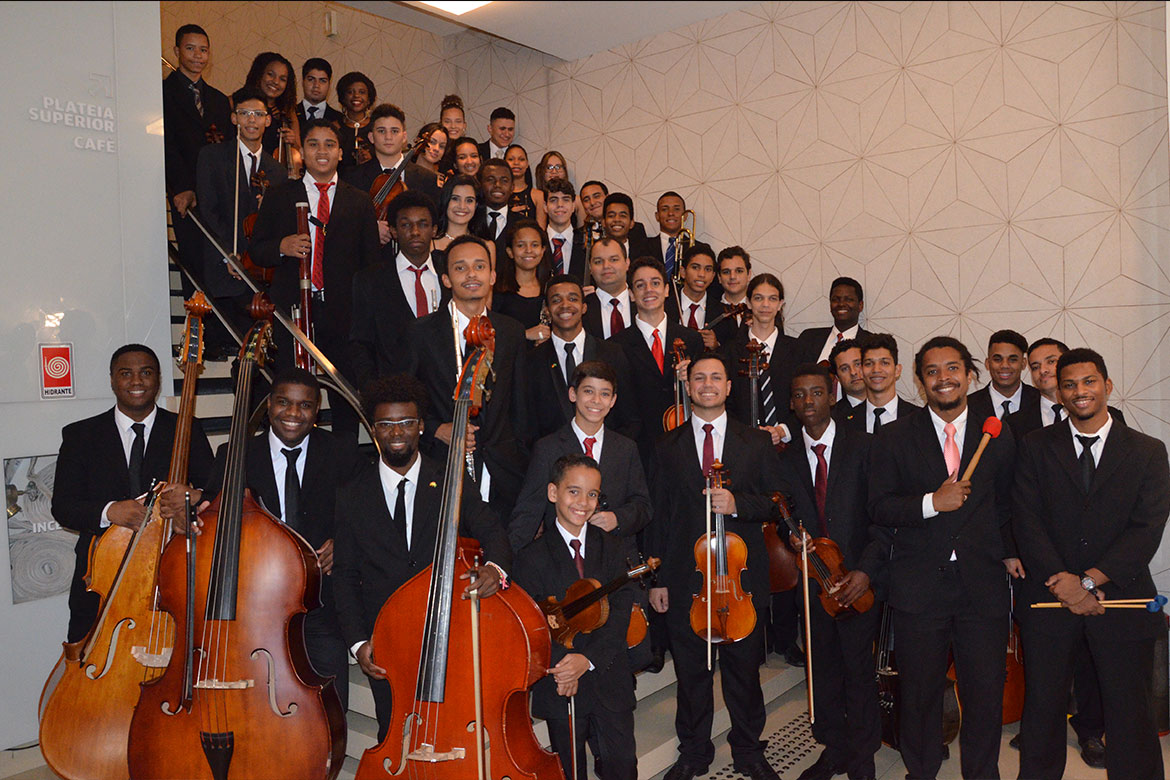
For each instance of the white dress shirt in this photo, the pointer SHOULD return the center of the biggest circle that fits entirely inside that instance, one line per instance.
(700, 310)
(623, 299)
(826, 439)
(578, 352)
(126, 433)
(501, 220)
(314, 198)
(960, 423)
(496, 152)
(648, 332)
(566, 247)
(718, 434)
(728, 302)
(769, 343)
(1047, 415)
(246, 156)
(430, 283)
(390, 479)
(280, 466)
(321, 107)
(568, 537)
(831, 341)
(888, 416)
(997, 399)
(598, 437)
(1098, 446)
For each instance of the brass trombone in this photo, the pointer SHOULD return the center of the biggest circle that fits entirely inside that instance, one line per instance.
(686, 240)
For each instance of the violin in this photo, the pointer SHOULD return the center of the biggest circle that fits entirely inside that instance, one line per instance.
(721, 612)
(286, 153)
(213, 135)
(729, 310)
(827, 567)
(585, 607)
(259, 184)
(390, 184)
(446, 713)
(678, 413)
(91, 694)
(783, 570)
(239, 692)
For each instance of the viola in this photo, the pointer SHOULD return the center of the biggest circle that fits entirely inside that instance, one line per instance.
(721, 612)
(446, 713)
(827, 567)
(239, 691)
(259, 184)
(390, 184)
(638, 628)
(585, 606)
(287, 154)
(90, 696)
(783, 569)
(678, 413)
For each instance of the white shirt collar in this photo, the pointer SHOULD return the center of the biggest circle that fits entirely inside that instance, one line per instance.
(404, 264)
(582, 436)
(769, 341)
(568, 537)
(390, 478)
(567, 235)
(124, 423)
(311, 183)
(321, 107)
(997, 399)
(648, 330)
(578, 351)
(276, 447)
(1099, 445)
(245, 151)
(623, 297)
(719, 423)
(959, 422)
(826, 438)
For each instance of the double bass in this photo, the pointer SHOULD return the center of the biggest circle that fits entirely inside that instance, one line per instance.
(454, 717)
(239, 698)
(89, 698)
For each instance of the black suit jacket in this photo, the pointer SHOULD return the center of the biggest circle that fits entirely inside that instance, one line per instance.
(854, 419)
(981, 400)
(623, 484)
(864, 546)
(676, 489)
(652, 392)
(370, 561)
(511, 217)
(811, 341)
(331, 114)
(216, 184)
(351, 243)
(548, 392)
(503, 420)
(545, 569)
(187, 130)
(381, 319)
(593, 314)
(906, 464)
(574, 254)
(485, 151)
(781, 366)
(1115, 527)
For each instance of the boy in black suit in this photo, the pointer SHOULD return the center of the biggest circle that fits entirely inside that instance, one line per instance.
(387, 525)
(495, 179)
(734, 266)
(565, 242)
(947, 583)
(501, 131)
(1006, 392)
(678, 488)
(846, 302)
(316, 77)
(699, 300)
(828, 472)
(880, 370)
(1091, 503)
(595, 673)
(107, 463)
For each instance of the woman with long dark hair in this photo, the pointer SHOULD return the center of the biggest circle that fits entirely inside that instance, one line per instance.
(461, 210)
(274, 77)
(521, 273)
(521, 201)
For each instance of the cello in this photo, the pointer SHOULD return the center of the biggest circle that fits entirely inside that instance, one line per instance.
(241, 691)
(450, 722)
(90, 696)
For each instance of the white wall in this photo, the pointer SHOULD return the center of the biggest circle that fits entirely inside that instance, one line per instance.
(84, 236)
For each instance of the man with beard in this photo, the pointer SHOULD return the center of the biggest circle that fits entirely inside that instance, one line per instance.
(388, 522)
(947, 585)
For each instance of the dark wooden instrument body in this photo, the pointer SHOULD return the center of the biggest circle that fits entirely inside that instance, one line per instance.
(677, 414)
(1013, 684)
(258, 273)
(732, 614)
(783, 569)
(638, 628)
(565, 625)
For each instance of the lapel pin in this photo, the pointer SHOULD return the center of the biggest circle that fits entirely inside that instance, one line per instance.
(433, 485)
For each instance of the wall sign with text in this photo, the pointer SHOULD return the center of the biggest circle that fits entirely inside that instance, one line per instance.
(56, 370)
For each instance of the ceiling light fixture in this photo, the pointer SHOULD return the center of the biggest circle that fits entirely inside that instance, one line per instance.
(456, 7)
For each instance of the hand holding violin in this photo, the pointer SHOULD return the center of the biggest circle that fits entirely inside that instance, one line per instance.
(722, 501)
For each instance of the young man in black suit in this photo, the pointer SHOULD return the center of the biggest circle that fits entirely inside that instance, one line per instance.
(389, 295)
(846, 302)
(107, 463)
(294, 470)
(829, 477)
(677, 487)
(1091, 503)
(1006, 392)
(880, 370)
(501, 131)
(566, 243)
(224, 179)
(551, 363)
(948, 589)
(845, 363)
(595, 673)
(195, 114)
(609, 309)
(387, 520)
(665, 247)
(699, 300)
(343, 239)
(316, 77)
(438, 349)
(617, 219)
(734, 266)
(647, 348)
(495, 179)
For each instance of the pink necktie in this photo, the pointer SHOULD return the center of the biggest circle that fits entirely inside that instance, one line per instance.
(950, 449)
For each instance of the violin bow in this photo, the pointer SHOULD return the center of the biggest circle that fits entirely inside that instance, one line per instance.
(812, 710)
(476, 672)
(573, 733)
(710, 588)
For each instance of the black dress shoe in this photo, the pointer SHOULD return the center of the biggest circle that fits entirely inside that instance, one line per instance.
(794, 656)
(757, 770)
(824, 768)
(1015, 743)
(684, 771)
(1093, 752)
(657, 660)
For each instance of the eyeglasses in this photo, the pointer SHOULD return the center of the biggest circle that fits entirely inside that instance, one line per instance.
(391, 425)
(252, 113)
(554, 167)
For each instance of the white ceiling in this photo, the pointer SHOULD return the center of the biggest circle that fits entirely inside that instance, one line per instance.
(567, 29)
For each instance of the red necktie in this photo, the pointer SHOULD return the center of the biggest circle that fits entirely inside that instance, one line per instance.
(558, 255)
(839, 337)
(577, 559)
(708, 448)
(656, 350)
(589, 442)
(421, 308)
(318, 274)
(616, 323)
(693, 323)
(820, 485)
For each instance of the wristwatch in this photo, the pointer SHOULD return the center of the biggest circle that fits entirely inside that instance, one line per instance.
(1088, 584)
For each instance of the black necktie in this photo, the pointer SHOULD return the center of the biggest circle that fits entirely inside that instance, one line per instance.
(400, 513)
(877, 418)
(137, 452)
(292, 488)
(252, 168)
(310, 111)
(1056, 413)
(1088, 465)
(1006, 406)
(197, 96)
(570, 362)
(494, 222)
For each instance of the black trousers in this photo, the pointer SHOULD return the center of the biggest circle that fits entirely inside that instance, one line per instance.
(784, 610)
(1125, 669)
(739, 668)
(614, 735)
(1089, 720)
(848, 721)
(923, 643)
(327, 651)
